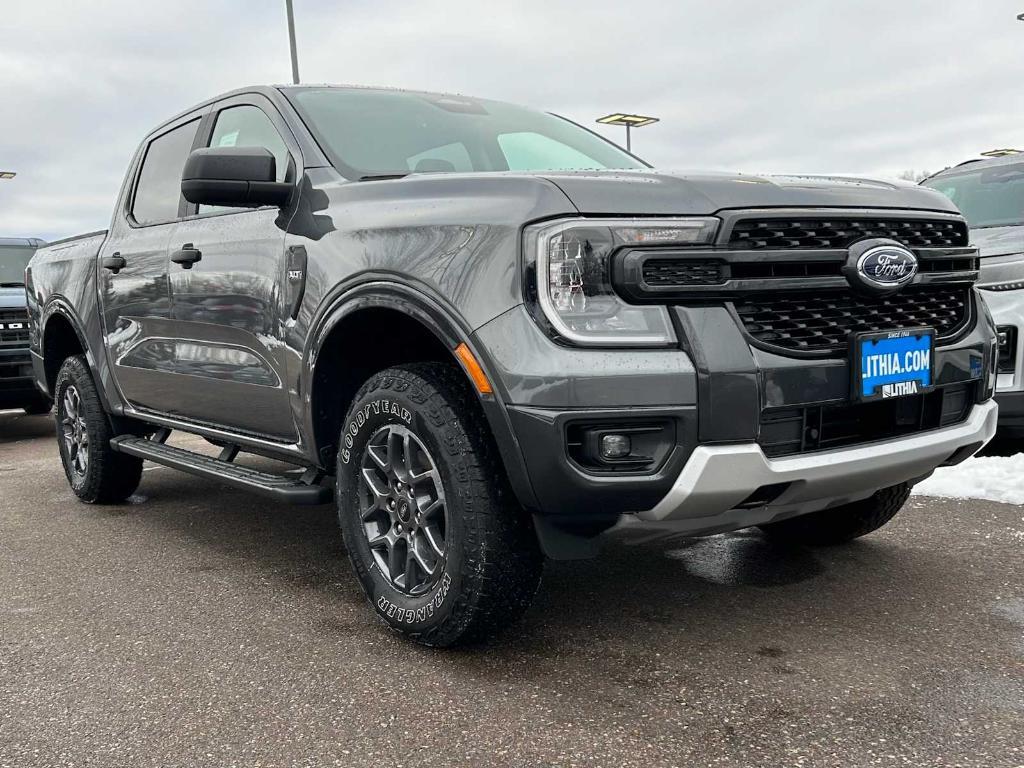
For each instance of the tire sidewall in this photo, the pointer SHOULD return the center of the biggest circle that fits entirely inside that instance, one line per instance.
(380, 406)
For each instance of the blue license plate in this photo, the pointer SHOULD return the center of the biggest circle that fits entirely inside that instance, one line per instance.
(893, 364)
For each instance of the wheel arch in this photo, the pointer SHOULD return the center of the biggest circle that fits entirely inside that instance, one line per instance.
(61, 337)
(340, 332)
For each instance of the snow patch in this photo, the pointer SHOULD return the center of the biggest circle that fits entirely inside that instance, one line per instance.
(994, 478)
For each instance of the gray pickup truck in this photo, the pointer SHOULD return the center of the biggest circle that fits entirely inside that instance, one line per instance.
(500, 335)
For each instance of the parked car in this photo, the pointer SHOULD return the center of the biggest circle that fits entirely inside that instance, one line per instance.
(990, 193)
(501, 335)
(17, 384)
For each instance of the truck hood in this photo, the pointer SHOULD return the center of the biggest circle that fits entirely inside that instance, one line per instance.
(12, 298)
(638, 193)
(998, 241)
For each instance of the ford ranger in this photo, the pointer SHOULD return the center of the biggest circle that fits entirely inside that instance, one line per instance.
(490, 335)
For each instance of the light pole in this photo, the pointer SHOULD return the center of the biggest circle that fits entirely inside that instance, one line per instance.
(7, 174)
(628, 120)
(291, 41)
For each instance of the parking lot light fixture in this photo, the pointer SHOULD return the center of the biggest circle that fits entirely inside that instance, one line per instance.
(7, 174)
(629, 121)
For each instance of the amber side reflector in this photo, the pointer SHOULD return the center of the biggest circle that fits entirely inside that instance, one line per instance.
(476, 373)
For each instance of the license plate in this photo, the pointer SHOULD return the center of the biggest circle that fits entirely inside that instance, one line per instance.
(892, 364)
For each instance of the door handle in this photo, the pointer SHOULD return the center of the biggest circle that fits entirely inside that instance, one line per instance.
(187, 256)
(114, 262)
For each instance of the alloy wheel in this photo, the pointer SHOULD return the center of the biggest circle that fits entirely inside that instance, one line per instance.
(74, 432)
(403, 510)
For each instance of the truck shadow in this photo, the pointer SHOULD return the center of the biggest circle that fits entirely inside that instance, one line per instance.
(668, 586)
(17, 425)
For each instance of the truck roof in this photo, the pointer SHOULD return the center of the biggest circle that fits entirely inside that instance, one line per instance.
(21, 242)
(270, 91)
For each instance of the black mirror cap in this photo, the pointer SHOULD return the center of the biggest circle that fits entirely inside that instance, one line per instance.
(241, 177)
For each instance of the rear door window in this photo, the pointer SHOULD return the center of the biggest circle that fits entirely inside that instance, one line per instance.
(158, 192)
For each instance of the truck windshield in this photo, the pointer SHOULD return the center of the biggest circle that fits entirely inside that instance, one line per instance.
(13, 260)
(987, 197)
(370, 133)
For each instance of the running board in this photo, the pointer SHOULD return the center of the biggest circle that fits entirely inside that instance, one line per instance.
(304, 490)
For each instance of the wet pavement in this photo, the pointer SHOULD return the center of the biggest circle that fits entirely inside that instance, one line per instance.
(202, 626)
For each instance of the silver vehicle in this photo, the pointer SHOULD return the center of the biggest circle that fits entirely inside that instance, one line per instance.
(990, 193)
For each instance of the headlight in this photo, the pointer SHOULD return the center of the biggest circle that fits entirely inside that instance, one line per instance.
(573, 271)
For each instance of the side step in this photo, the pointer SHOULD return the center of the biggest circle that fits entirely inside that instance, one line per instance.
(304, 490)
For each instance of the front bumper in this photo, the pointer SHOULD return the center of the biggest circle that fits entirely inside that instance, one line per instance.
(722, 477)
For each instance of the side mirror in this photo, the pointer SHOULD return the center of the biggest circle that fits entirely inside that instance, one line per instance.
(242, 177)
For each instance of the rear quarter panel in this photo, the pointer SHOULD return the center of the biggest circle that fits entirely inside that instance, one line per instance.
(62, 281)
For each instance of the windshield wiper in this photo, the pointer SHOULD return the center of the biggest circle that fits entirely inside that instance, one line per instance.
(384, 176)
(12, 285)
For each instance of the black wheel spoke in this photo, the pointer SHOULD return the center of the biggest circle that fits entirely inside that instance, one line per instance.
(403, 509)
(421, 561)
(75, 431)
(433, 538)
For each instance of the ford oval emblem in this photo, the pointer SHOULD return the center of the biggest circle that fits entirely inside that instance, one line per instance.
(880, 266)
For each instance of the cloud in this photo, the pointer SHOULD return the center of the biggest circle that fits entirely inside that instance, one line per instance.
(871, 87)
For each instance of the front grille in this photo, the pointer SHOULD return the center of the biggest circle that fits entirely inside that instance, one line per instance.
(791, 431)
(822, 321)
(830, 232)
(13, 337)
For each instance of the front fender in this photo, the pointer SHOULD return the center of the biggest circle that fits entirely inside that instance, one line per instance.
(441, 319)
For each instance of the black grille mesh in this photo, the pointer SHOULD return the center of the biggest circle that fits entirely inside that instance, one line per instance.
(822, 321)
(815, 232)
(683, 272)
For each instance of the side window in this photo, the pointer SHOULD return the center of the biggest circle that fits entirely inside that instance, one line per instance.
(247, 126)
(528, 151)
(158, 191)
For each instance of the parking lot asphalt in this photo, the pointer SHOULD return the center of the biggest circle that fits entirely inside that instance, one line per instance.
(198, 625)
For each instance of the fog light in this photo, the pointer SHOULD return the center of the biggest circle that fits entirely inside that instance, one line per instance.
(616, 446)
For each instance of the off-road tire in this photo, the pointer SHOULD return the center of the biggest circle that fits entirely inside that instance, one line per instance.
(38, 406)
(842, 524)
(492, 565)
(109, 477)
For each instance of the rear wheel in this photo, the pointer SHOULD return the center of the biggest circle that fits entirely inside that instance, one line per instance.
(96, 473)
(440, 545)
(842, 524)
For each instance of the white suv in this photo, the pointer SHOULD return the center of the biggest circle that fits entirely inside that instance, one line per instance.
(990, 194)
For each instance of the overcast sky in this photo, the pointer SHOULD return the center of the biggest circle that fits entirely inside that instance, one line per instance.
(872, 87)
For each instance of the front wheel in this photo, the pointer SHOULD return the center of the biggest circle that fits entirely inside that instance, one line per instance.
(842, 524)
(96, 473)
(441, 547)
